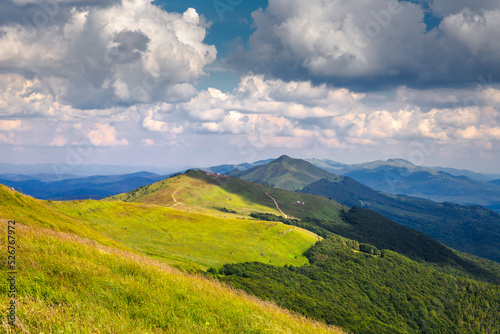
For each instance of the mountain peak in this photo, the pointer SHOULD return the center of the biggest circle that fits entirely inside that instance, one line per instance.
(285, 173)
(284, 157)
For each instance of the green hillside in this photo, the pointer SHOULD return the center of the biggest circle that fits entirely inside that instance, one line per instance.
(68, 284)
(373, 294)
(14, 205)
(285, 173)
(197, 191)
(191, 239)
(73, 279)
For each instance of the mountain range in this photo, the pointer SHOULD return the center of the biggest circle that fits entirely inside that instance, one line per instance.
(471, 229)
(401, 177)
(394, 176)
(123, 263)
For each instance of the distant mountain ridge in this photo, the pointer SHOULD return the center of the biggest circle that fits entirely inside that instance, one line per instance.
(398, 176)
(93, 187)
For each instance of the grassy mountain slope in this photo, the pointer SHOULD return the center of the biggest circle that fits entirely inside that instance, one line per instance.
(373, 294)
(285, 173)
(32, 212)
(191, 239)
(74, 285)
(471, 229)
(197, 191)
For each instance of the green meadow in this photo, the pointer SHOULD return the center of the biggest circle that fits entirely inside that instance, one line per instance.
(191, 239)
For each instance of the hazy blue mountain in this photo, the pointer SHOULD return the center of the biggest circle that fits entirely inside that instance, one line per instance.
(224, 169)
(79, 170)
(94, 187)
(398, 176)
(464, 172)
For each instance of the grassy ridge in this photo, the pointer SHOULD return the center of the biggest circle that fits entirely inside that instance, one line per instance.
(67, 284)
(185, 238)
(196, 191)
(33, 212)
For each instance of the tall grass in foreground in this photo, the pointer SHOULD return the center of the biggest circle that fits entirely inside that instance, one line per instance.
(67, 284)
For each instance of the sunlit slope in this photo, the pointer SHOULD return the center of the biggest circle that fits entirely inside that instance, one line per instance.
(33, 212)
(196, 191)
(74, 285)
(184, 238)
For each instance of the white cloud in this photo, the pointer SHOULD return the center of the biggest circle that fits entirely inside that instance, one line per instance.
(254, 94)
(370, 43)
(105, 135)
(159, 126)
(132, 52)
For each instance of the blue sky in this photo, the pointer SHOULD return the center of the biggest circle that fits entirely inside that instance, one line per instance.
(199, 83)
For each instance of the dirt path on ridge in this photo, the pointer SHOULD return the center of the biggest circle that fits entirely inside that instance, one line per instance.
(276, 203)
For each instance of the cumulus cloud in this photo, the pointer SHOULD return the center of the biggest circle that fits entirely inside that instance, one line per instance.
(105, 135)
(98, 56)
(153, 125)
(370, 43)
(255, 94)
(264, 110)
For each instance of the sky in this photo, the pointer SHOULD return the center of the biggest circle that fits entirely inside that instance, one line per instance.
(201, 83)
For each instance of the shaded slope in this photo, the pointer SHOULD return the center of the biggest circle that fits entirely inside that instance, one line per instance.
(471, 229)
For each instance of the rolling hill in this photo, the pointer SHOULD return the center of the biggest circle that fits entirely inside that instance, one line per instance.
(73, 279)
(471, 229)
(122, 282)
(229, 197)
(209, 193)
